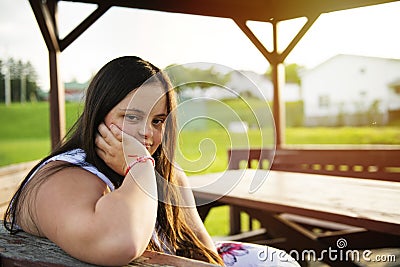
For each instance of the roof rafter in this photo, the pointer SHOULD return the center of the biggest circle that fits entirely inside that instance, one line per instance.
(258, 10)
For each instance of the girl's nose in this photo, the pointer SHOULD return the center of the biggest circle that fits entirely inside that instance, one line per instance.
(146, 130)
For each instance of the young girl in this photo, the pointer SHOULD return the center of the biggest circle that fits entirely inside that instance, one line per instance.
(111, 190)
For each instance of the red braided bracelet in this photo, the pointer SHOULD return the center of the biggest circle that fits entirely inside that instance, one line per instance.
(139, 160)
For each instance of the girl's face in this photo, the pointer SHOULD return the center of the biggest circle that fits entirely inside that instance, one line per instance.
(142, 114)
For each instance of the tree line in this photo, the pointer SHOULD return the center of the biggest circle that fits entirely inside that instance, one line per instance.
(205, 78)
(18, 81)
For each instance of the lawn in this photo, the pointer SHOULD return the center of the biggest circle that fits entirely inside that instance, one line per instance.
(24, 136)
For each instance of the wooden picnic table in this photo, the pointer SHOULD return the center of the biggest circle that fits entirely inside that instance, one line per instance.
(26, 250)
(365, 212)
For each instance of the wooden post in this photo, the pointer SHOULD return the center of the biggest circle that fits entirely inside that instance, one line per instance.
(57, 98)
(46, 16)
(278, 108)
(276, 59)
(57, 101)
(278, 80)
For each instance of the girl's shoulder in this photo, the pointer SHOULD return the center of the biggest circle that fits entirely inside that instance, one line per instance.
(76, 157)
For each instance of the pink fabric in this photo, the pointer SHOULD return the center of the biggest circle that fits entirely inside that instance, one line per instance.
(251, 255)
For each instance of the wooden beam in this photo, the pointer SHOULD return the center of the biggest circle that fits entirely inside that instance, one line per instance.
(214, 8)
(46, 24)
(310, 21)
(276, 60)
(290, 9)
(46, 16)
(253, 38)
(258, 10)
(83, 26)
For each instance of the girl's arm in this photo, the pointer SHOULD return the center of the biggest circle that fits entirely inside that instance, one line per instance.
(73, 208)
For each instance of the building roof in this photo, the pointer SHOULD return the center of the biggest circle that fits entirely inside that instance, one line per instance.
(350, 57)
(75, 86)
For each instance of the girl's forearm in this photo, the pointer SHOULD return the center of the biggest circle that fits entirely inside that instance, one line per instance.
(129, 213)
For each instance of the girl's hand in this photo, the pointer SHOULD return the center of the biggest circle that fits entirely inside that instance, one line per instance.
(112, 144)
(109, 147)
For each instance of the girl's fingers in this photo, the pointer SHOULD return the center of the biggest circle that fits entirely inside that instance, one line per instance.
(101, 143)
(117, 132)
(104, 132)
(100, 153)
(108, 135)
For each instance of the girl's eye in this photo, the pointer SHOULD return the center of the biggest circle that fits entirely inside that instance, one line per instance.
(131, 117)
(158, 121)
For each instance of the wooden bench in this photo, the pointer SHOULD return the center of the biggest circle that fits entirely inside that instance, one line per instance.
(10, 178)
(377, 164)
(289, 227)
(26, 250)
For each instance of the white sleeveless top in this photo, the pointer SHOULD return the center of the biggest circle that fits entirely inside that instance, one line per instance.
(78, 157)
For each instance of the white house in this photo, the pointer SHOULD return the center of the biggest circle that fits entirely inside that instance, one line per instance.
(75, 91)
(351, 90)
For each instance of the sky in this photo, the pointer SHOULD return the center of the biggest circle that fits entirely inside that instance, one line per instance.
(166, 38)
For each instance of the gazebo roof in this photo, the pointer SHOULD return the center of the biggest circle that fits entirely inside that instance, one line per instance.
(258, 10)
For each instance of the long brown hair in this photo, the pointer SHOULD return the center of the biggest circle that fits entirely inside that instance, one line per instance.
(108, 87)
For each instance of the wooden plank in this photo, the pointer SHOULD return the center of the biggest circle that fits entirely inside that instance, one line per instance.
(369, 204)
(18, 167)
(9, 185)
(26, 250)
(10, 178)
(379, 164)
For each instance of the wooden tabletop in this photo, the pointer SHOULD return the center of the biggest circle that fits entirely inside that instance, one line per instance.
(369, 204)
(26, 250)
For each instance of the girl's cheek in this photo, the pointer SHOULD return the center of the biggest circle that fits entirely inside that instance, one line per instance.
(119, 125)
(158, 139)
(129, 129)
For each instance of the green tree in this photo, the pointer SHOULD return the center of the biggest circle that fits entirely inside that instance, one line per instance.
(188, 78)
(23, 80)
(291, 73)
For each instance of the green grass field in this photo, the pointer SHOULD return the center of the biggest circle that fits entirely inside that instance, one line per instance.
(25, 131)
(24, 136)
